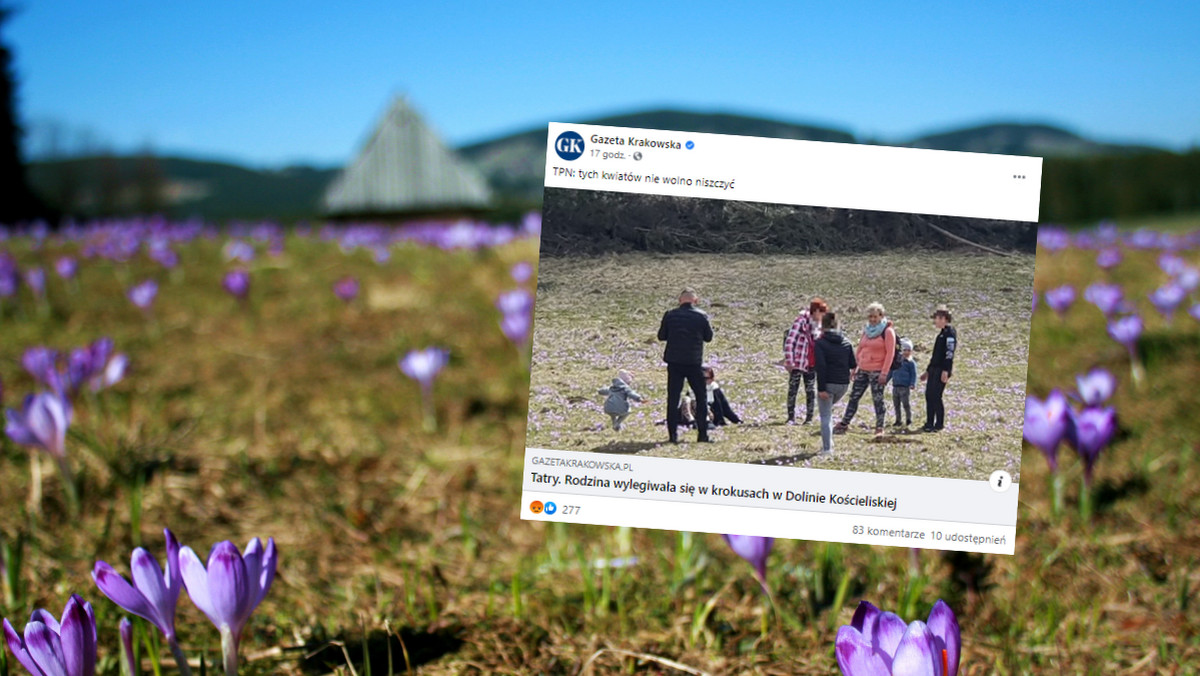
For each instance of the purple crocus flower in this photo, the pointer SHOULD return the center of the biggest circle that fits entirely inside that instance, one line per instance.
(127, 654)
(41, 363)
(238, 250)
(105, 368)
(1046, 424)
(1167, 299)
(10, 277)
(153, 594)
(35, 279)
(1096, 386)
(516, 327)
(516, 308)
(1060, 299)
(142, 295)
(113, 372)
(878, 643)
(1188, 279)
(1108, 258)
(230, 588)
(41, 423)
(346, 288)
(521, 272)
(53, 648)
(1171, 263)
(1053, 238)
(423, 365)
(755, 550)
(516, 301)
(1094, 428)
(237, 283)
(1107, 297)
(1195, 312)
(66, 267)
(165, 256)
(1126, 331)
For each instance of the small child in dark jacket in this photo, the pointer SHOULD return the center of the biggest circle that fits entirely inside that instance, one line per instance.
(835, 361)
(903, 380)
(718, 405)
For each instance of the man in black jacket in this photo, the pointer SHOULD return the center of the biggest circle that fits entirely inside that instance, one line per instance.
(937, 374)
(686, 330)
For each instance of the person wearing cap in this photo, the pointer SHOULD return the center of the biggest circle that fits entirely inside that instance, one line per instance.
(685, 329)
(937, 374)
(903, 380)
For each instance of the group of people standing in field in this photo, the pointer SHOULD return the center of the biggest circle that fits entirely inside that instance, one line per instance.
(817, 354)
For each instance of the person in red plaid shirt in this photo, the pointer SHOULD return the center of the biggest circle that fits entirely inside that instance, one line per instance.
(800, 358)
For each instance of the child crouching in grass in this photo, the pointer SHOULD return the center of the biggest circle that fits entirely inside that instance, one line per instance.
(619, 394)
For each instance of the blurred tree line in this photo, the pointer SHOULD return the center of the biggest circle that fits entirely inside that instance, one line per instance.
(586, 222)
(1083, 190)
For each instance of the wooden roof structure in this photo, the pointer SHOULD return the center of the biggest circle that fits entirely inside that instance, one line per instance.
(405, 171)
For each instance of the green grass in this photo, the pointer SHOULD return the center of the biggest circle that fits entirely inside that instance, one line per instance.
(289, 418)
(597, 315)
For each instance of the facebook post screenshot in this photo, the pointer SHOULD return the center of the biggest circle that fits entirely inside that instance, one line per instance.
(785, 338)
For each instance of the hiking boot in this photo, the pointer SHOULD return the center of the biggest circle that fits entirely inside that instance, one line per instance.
(840, 428)
(897, 424)
(808, 419)
(878, 432)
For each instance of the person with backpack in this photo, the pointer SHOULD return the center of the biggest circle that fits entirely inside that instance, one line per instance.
(937, 374)
(875, 353)
(835, 363)
(799, 358)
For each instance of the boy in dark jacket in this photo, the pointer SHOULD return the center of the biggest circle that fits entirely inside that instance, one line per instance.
(903, 380)
(835, 361)
(937, 374)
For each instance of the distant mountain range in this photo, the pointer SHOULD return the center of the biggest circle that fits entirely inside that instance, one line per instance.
(514, 165)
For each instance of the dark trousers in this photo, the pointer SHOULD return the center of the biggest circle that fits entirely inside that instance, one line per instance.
(722, 412)
(935, 410)
(694, 375)
(810, 392)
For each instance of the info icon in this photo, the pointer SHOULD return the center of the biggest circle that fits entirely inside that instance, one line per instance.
(550, 508)
(536, 506)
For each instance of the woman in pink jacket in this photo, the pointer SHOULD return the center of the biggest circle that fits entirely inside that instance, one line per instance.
(876, 348)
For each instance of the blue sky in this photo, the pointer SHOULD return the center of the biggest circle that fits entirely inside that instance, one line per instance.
(271, 83)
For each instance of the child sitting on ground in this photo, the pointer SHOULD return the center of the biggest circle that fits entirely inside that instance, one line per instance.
(720, 411)
(903, 380)
(619, 394)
